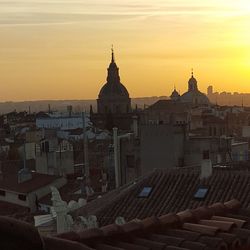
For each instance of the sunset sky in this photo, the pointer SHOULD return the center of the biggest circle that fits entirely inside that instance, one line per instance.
(60, 49)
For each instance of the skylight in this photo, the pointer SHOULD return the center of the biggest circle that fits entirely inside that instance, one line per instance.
(201, 193)
(145, 192)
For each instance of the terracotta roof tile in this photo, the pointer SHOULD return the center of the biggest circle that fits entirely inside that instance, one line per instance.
(218, 208)
(150, 223)
(213, 242)
(232, 241)
(131, 227)
(186, 216)
(185, 234)
(222, 225)
(111, 230)
(203, 229)
(169, 220)
(233, 205)
(242, 234)
(148, 234)
(166, 239)
(202, 213)
(237, 222)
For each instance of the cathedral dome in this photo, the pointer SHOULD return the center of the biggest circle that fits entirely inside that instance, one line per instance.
(175, 95)
(111, 90)
(113, 96)
(193, 95)
(113, 87)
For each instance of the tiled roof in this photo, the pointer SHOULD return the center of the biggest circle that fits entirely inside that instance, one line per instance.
(9, 178)
(10, 182)
(172, 191)
(219, 226)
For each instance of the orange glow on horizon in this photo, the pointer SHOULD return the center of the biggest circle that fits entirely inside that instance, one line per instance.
(61, 50)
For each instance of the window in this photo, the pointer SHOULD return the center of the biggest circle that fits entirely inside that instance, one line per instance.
(22, 197)
(201, 193)
(2, 193)
(145, 192)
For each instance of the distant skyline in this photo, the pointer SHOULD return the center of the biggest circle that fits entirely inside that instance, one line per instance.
(60, 49)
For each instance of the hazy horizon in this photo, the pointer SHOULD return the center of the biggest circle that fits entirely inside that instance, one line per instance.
(60, 49)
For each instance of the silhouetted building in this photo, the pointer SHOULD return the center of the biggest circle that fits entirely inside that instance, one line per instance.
(193, 95)
(175, 96)
(113, 103)
(113, 97)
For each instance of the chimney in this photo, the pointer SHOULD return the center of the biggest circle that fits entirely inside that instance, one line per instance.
(24, 174)
(206, 166)
(116, 157)
(135, 126)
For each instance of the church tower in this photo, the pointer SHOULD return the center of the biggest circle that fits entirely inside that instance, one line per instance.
(113, 97)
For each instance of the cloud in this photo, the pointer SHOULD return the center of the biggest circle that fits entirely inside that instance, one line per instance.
(36, 18)
(38, 12)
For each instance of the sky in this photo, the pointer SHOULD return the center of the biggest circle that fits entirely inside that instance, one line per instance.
(60, 49)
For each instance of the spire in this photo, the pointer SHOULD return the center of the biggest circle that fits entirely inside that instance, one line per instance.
(112, 54)
(113, 70)
(192, 72)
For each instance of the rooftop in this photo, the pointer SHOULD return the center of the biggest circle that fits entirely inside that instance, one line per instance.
(169, 106)
(10, 182)
(218, 226)
(172, 191)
